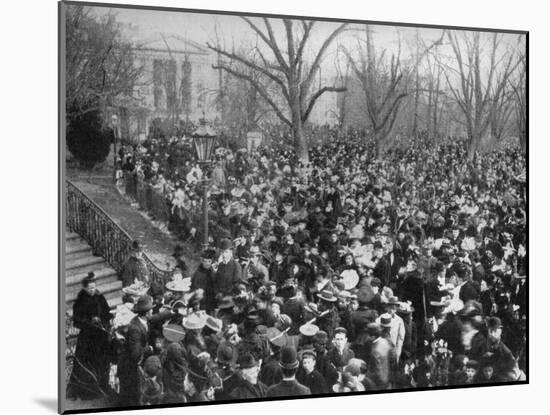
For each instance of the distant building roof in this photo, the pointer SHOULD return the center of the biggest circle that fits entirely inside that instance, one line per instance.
(174, 44)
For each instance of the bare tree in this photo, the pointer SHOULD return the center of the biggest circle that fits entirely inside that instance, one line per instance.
(343, 78)
(100, 63)
(477, 92)
(382, 85)
(520, 102)
(288, 70)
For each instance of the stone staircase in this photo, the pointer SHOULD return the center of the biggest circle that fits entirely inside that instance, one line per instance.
(79, 260)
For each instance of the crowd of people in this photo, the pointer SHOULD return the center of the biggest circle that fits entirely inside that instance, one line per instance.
(345, 273)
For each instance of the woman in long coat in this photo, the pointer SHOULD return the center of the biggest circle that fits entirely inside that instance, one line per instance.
(90, 374)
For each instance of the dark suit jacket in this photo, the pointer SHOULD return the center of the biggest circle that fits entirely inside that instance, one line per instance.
(382, 271)
(271, 372)
(412, 289)
(325, 367)
(340, 360)
(132, 353)
(246, 390)
(288, 388)
(227, 276)
(314, 381)
(136, 341)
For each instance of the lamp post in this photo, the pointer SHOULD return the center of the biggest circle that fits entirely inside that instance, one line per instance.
(204, 139)
(114, 125)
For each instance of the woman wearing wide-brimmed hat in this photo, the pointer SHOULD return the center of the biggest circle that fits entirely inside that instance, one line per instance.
(329, 318)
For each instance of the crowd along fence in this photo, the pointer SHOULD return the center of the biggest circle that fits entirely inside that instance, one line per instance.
(179, 220)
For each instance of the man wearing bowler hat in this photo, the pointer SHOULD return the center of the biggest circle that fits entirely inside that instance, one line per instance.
(289, 386)
(229, 272)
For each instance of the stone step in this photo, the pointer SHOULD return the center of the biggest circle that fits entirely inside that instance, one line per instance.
(78, 255)
(103, 275)
(71, 236)
(80, 264)
(77, 246)
(110, 290)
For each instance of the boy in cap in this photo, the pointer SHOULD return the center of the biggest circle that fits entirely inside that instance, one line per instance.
(309, 376)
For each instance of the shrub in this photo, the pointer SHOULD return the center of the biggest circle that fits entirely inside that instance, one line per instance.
(87, 140)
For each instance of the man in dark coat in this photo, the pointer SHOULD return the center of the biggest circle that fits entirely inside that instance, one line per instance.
(135, 348)
(294, 307)
(204, 278)
(248, 386)
(382, 269)
(396, 263)
(289, 386)
(323, 363)
(340, 353)
(229, 272)
(277, 270)
(93, 351)
(412, 289)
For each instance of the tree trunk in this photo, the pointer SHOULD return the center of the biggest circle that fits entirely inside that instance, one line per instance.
(378, 143)
(475, 141)
(301, 142)
(416, 101)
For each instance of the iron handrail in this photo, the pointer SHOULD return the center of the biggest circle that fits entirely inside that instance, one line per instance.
(105, 236)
